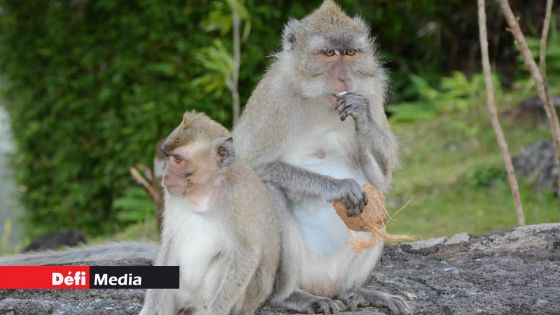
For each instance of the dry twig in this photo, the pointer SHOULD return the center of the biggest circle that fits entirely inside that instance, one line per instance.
(538, 77)
(494, 114)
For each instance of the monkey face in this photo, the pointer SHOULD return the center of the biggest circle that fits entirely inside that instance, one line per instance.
(179, 170)
(196, 152)
(188, 168)
(329, 51)
(197, 166)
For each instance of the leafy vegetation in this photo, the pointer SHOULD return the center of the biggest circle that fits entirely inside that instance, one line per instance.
(453, 172)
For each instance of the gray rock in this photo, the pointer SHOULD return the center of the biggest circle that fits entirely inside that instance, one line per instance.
(516, 271)
(537, 164)
(532, 110)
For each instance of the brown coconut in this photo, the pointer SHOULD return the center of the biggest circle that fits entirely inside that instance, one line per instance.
(373, 219)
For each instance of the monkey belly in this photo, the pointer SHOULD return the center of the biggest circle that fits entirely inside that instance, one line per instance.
(328, 264)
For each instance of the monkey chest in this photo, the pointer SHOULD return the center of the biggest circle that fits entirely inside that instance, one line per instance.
(199, 244)
(333, 153)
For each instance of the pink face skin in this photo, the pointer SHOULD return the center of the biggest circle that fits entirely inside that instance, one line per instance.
(339, 63)
(176, 174)
(188, 171)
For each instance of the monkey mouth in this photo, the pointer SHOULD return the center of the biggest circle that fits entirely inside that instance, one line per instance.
(176, 189)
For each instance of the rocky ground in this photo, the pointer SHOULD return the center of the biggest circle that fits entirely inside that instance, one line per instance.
(515, 271)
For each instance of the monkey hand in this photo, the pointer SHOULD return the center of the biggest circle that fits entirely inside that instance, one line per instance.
(356, 106)
(352, 195)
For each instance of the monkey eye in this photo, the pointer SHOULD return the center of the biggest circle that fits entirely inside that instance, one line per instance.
(328, 52)
(177, 160)
(350, 52)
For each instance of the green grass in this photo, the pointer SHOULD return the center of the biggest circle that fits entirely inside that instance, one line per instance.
(452, 169)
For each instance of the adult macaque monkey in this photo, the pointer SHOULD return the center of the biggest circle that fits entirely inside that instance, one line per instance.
(315, 130)
(219, 225)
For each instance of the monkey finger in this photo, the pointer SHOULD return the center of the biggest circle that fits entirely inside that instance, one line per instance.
(340, 105)
(358, 208)
(346, 111)
(324, 306)
(343, 106)
(340, 305)
(361, 206)
(349, 208)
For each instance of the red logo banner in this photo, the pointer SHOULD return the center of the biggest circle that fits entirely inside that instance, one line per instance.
(44, 277)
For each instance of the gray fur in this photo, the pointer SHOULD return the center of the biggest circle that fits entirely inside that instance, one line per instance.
(298, 184)
(301, 301)
(363, 297)
(289, 35)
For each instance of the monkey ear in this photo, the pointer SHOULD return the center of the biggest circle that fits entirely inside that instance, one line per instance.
(289, 34)
(225, 152)
(363, 32)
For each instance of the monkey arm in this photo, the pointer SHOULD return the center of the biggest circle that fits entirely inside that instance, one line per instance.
(377, 144)
(298, 183)
(241, 269)
(158, 301)
(378, 152)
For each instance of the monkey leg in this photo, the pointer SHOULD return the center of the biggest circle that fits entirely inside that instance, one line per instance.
(303, 302)
(362, 297)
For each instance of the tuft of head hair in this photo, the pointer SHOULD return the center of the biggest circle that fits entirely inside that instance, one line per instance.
(328, 19)
(194, 126)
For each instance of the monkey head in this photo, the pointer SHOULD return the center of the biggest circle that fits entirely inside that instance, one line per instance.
(196, 154)
(328, 52)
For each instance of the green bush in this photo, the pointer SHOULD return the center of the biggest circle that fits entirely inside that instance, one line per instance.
(91, 87)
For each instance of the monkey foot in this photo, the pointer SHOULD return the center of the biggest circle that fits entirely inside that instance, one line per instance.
(301, 301)
(362, 297)
(186, 311)
(325, 306)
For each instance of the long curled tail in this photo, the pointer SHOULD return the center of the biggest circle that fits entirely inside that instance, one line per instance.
(106, 252)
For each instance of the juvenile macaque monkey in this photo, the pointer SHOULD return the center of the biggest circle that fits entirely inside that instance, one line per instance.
(315, 129)
(219, 226)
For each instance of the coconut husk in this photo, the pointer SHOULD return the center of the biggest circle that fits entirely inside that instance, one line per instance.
(373, 219)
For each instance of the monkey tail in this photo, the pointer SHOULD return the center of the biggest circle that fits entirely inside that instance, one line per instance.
(86, 254)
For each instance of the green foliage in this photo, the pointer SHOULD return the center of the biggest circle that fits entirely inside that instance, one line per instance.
(91, 86)
(218, 64)
(484, 175)
(552, 53)
(134, 206)
(455, 93)
(217, 59)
